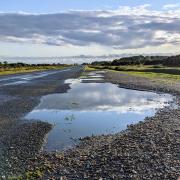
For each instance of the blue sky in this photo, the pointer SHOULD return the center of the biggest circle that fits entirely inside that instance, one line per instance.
(49, 28)
(52, 6)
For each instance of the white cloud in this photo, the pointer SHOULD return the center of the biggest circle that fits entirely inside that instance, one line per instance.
(171, 6)
(124, 28)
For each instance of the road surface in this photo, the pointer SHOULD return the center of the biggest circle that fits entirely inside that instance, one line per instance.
(29, 77)
(20, 94)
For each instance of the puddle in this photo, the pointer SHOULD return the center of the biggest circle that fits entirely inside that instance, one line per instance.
(93, 109)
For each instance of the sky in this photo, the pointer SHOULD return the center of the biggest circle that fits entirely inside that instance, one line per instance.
(46, 28)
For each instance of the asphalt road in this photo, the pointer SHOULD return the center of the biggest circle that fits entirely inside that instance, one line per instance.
(17, 79)
(20, 94)
(34, 84)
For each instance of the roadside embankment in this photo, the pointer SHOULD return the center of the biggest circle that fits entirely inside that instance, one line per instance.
(143, 83)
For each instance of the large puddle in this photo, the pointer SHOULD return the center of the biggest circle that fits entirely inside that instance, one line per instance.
(93, 108)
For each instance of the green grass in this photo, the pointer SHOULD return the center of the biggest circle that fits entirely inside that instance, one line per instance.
(30, 175)
(88, 68)
(37, 173)
(156, 76)
(158, 73)
(8, 71)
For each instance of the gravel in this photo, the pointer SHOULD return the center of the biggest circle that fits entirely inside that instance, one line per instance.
(142, 83)
(21, 140)
(147, 150)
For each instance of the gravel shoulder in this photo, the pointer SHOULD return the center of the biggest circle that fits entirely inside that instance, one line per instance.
(147, 150)
(21, 140)
(142, 83)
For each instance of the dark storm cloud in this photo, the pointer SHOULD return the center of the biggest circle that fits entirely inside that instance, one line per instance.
(82, 28)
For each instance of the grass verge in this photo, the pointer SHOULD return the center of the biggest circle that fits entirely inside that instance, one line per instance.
(9, 71)
(158, 73)
(88, 68)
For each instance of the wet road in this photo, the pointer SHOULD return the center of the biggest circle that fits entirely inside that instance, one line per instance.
(28, 77)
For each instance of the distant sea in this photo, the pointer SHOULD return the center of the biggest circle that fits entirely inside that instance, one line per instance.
(71, 59)
(62, 60)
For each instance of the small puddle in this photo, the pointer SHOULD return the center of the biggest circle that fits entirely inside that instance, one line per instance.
(93, 108)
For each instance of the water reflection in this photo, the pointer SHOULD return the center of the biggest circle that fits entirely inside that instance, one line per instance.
(93, 109)
(103, 97)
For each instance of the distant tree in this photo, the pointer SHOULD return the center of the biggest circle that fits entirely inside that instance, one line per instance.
(172, 61)
(5, 63)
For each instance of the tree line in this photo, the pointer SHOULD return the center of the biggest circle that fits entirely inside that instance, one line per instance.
(142, 60)
(5, 64)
